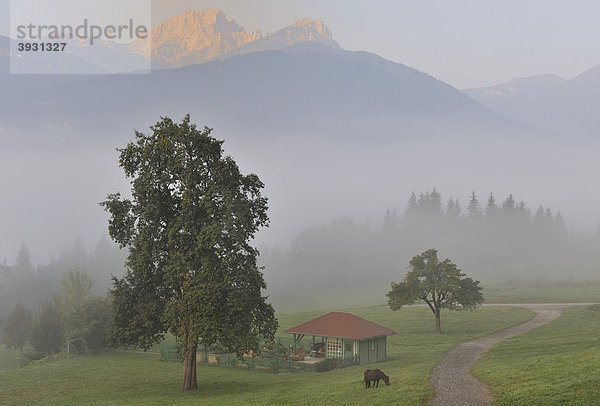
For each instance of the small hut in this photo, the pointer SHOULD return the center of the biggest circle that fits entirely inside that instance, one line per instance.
(345, 336)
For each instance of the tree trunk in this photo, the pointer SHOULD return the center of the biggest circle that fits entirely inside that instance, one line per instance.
(438, 323)
(189, 367)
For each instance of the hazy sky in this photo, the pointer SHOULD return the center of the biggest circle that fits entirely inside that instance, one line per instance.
(466, 43)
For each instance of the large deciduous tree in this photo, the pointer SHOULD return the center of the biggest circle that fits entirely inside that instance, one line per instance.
(189, 223)
(440, 284)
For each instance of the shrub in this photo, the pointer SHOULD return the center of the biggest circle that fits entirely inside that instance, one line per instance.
(595, 308)
(97, 316)
(328, 364)
(34, 355)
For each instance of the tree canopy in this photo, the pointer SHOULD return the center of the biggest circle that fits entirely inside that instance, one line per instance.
(188, 226)
(440, 284)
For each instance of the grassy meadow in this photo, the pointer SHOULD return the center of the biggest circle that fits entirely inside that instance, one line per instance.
(8, 359)
(513, 291)
(143, 379)
(543, 292)
(557, 364)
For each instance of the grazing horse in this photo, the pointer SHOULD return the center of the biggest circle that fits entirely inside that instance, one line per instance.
(374, 375)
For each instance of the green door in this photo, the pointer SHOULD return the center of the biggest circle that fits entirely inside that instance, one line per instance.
(348, 350)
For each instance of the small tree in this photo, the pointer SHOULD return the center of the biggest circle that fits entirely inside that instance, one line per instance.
(491, 208)
(47, 332)
(441, 285)
(17, 327)
(474, 208)
(76, 287)
(23, 265)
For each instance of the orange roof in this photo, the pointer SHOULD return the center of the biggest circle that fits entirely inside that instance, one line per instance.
(342, 325)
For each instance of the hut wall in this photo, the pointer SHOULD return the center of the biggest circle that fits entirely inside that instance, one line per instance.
(371, 351)
(381, 349)
(363, 352)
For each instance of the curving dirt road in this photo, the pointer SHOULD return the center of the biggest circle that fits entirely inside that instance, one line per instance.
(451, 378)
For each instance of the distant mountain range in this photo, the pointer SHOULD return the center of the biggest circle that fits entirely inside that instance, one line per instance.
(305, 86)
(569, 107)
(191, 38)
(295, 79)
(199, 36)
(335, 82)
(248, 74)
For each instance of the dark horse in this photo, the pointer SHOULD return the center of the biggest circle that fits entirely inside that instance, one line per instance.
(375, 375)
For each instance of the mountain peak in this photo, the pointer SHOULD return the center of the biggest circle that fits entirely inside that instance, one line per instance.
(316, 24)
(307, 29)
(200, 18)
(193, 37)
(301, 31)
(198, 36)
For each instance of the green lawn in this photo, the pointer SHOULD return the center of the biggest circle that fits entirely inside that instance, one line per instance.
(543, 292)
(557, 364)
(142, 379)
(8, 359)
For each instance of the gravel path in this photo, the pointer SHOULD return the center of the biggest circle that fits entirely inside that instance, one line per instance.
(451, 378)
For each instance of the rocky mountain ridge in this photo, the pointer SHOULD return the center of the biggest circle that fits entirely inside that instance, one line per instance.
(190, 38)
(199, 36)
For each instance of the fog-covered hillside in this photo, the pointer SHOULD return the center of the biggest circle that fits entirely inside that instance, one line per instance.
(568, 107)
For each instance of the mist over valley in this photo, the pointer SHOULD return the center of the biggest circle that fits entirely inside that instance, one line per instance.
(338, 137)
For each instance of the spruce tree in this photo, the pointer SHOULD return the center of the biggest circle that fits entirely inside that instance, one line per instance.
(473, 208)
(491, 208)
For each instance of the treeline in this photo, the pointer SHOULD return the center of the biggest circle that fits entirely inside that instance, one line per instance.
(489, 237)
(62, 306)
(22, 281)
(494, 240)
(74, 321)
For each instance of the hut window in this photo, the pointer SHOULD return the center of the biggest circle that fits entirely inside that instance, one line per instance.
(334, 348)
(372, 345)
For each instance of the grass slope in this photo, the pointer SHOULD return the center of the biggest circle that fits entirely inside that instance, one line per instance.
(543, 292)
(555, 364)
(8, 359)
(142, 379)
